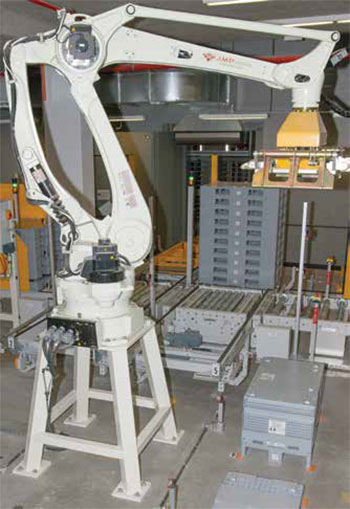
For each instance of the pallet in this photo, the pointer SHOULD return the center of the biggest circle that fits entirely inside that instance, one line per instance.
(173, 260)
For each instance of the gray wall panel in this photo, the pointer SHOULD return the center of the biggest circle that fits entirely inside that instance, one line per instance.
(325, 242)
(8, 164)
(160, 172)
(68, 140)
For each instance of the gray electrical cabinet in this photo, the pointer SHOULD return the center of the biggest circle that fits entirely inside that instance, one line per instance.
(272, 341)
(245, 491)
(281, 408)
(241, 235)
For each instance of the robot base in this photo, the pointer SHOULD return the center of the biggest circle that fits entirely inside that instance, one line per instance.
(130, 445)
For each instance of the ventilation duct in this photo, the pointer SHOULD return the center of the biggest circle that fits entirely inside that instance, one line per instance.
(157, 87)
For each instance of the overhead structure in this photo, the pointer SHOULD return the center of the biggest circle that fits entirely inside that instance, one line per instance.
(95, 286)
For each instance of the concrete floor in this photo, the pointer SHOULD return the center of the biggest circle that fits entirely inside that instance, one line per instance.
(76, 480)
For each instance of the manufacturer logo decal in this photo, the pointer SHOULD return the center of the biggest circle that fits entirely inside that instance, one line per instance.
(222, 59)
(209, 56)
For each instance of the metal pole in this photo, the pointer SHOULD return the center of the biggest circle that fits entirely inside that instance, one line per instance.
(190, 207)
(341, 310)
(300, 280)
(172, 494)
(330, 261)
(14, 278)
(152, 294)
(52, 259)
(221, 413)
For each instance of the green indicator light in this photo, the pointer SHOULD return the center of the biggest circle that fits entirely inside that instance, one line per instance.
(14, 184)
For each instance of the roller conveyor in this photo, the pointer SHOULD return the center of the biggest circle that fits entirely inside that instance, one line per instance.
(213, 314)
(141, 295)
(229, 301)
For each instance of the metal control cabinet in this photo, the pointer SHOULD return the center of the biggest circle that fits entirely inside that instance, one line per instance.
(241, 235)
(281, 408)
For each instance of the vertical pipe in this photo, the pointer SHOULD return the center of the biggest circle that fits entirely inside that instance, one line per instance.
(341, 310)
(221, 413)
(15, 205)
(172, 494)
(330, 262)
(190, 207)
(300, 280)
(52, 259)
(152, 294)
(14, 278)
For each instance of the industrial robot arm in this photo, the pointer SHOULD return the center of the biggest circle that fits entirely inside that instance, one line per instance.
(78, 49)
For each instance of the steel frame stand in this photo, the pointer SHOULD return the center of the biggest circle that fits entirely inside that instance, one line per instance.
(161, 427)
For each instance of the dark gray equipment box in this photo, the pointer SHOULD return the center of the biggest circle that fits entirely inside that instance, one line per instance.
(241, 241)
(281, 408)
(244, 491)
(38, 247)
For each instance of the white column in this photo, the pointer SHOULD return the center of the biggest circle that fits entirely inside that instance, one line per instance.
(81, 382)
(32, 465)
(300, 280)
(130, 486)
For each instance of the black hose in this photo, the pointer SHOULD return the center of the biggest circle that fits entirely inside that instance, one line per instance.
(124, 259)
(185, 463)
(50, 349)
(336, 106)
(61, 214)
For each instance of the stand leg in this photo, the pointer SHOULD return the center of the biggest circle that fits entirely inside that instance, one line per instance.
(130, 487)
(80, 416)
(159, 388)
(32, 465)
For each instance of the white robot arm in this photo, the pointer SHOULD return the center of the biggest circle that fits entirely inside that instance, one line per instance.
(78, 49)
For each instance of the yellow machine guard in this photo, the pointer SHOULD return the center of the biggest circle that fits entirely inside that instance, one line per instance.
(302, 129)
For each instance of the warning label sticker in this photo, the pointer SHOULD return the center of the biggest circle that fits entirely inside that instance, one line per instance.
(127, 189)
(277, 427)
(39, 175)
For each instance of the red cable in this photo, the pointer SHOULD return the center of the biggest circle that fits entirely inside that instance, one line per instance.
(47, 5)
(52, 7)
